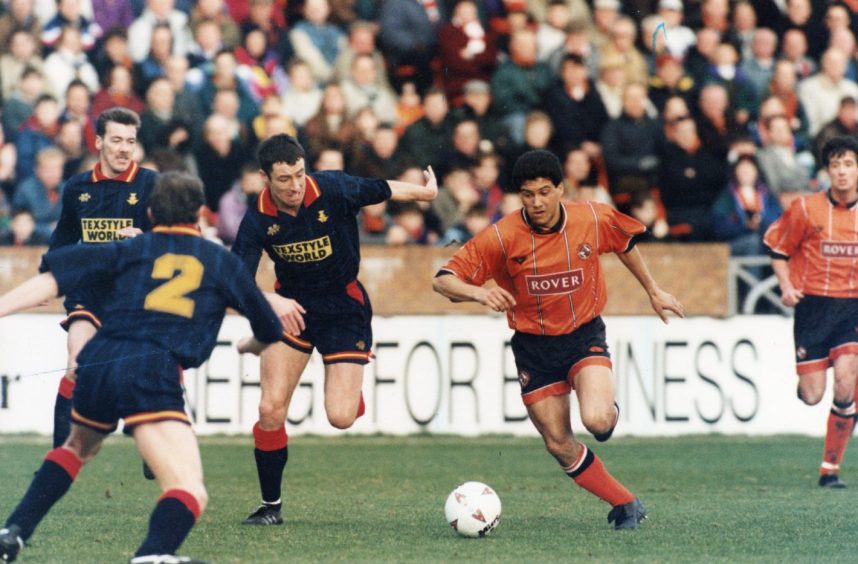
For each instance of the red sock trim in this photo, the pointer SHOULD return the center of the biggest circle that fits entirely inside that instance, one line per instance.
(270, 440)
(186, 499)
(361, 407)
(66, 387)
(65, 459)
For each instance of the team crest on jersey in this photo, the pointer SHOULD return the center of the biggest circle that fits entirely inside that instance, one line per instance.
(523, 378)
(132, 199)
(584, 251)
(78, 306)
(322, 217)
(273, 230)
(85, 197)
(800, 353)
(360, 345)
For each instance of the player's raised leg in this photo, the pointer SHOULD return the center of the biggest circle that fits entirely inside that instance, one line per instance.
(550, 416)
(170, 449)
(280, 371)
(594, 386)
(80, 331)
(343, 398)
(49, 485)
(841, 420)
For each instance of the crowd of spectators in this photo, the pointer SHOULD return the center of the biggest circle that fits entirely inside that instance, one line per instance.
(702, 118)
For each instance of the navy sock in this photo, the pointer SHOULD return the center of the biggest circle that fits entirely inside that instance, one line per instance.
(50, 484)
(171, 521)
(271, 453)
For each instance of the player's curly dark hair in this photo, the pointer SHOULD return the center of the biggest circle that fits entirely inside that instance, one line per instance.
(837, 147)
(280, 148)
(536, 164)
(118, 115)
(176, 198)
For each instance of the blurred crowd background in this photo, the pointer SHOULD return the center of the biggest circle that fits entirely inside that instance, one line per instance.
(704, 119)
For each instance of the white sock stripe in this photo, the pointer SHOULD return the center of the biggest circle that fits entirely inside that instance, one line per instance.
(577, 464)
(845, 411)
(278, 502)
(829, 466)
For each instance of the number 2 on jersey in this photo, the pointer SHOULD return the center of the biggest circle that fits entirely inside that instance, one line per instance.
(184, 274)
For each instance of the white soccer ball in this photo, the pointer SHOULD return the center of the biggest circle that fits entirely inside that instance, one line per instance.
(473, 509)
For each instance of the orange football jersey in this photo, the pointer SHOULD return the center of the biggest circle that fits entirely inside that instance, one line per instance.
(820, 237)
(555, 276)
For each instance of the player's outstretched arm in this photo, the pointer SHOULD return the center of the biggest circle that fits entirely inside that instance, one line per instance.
(29, 294)
(789, 295)
(290, 313)
(408, 192)
(456, 290)
(661, 301)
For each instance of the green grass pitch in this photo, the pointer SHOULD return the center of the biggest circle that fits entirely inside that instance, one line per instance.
(381, 499)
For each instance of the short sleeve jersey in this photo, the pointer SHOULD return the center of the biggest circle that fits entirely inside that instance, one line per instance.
(169, 291)
(316, 252)
(555, 276)
(95, 207)
(820, 238)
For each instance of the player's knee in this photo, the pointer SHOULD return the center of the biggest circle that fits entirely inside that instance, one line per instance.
(341, 420)
(599, 423)
(809, 396)
(272, 414)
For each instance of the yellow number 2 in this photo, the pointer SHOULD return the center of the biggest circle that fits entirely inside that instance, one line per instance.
(185, 273)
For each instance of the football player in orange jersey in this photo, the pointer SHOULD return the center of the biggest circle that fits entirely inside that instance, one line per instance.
(544, 259)
(814, 249)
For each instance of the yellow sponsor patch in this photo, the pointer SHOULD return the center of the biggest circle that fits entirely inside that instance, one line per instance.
(313, 250)
(103, 229)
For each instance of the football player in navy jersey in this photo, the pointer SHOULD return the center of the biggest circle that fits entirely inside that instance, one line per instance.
(307, 224)
(168, 290)
(102, 205)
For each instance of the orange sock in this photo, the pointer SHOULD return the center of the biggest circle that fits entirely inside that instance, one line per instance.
(589, 473)
(841, 419)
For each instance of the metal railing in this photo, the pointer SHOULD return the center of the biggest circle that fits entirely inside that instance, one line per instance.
(753, 288)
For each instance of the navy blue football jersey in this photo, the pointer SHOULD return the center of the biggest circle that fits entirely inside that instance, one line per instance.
(95, 207)
(169, 291)
(316, 252)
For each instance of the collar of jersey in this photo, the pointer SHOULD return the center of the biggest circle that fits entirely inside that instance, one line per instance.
(266, 205)
(556, 228)
(127, 176)
(837, 204)
(178, 229)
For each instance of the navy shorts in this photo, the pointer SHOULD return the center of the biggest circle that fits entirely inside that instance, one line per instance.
(824, 328)
(339, 325)
(126, 380)
(85, 304)
(547, 364)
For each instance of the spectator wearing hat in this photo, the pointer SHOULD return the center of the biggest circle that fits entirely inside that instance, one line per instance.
(677, 37)
(575, 108)
(477, 105)
(520, 82)
(846, 123)
(468, 51)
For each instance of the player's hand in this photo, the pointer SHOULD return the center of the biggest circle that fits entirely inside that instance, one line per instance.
(290, 313)
(790, 296)
(496, 298)
(129, 232)
(662, 302)
(431, 182)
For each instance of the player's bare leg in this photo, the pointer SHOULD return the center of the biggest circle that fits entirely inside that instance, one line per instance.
(841, 420)
(280, 371)
(170, 449)
(550, 416)
(79, 334)
(343, 381)
(594, 386)
(49, 485)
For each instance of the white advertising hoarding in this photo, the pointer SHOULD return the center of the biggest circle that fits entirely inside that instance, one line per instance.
(456, 374)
